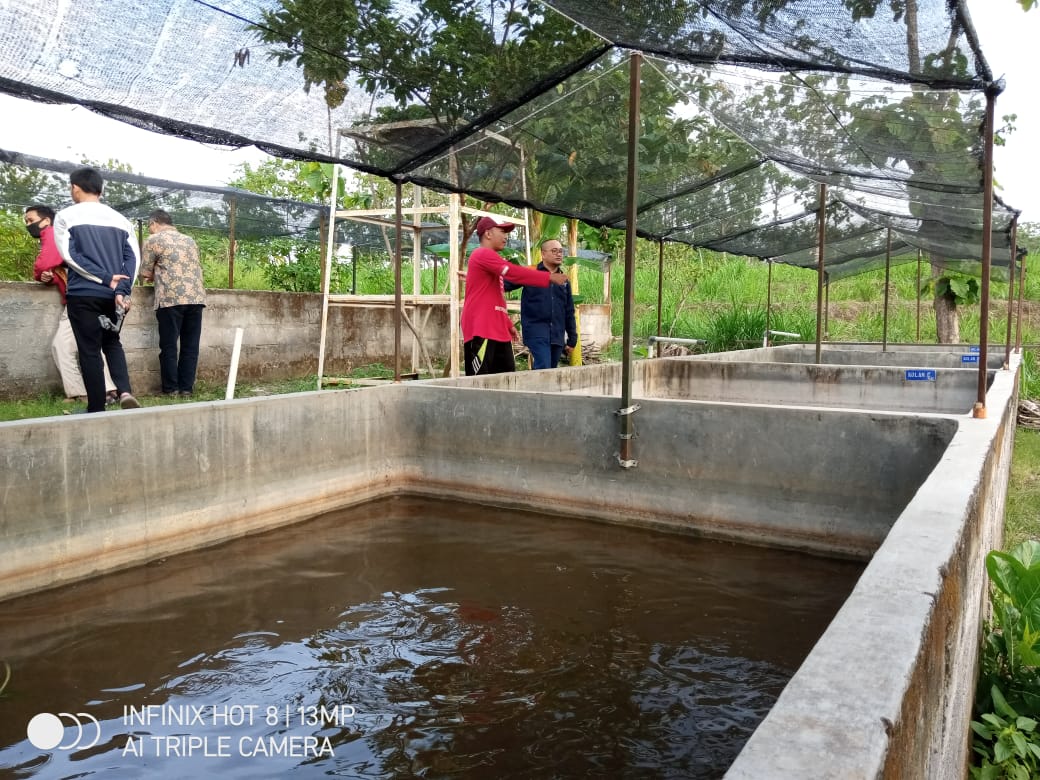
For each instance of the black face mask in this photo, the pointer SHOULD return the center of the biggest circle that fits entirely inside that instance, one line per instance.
(34, 228)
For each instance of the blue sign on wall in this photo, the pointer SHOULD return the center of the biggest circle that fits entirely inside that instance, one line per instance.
(969, 358)
(920, 375)
(973, 348)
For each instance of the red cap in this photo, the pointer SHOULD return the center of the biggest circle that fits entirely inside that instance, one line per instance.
(486, 223)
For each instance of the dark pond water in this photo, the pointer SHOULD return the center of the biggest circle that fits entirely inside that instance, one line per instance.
(411, 638)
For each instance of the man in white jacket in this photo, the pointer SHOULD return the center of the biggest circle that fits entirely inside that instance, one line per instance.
(98, 246)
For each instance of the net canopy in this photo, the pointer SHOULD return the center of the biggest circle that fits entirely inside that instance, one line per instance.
(747, 107)
(27, 179)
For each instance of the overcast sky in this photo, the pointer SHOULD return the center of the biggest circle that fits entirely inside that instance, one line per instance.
(1007, 35)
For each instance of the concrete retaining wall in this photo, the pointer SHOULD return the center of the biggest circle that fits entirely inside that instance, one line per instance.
(908, 355)
(887, 691)
(698, 378)
(280, 339)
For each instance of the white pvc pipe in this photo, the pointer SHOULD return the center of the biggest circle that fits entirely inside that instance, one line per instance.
(233, 373)
(768, 333)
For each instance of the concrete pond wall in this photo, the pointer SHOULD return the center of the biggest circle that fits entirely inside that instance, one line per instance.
(280, 337)
(887, 690)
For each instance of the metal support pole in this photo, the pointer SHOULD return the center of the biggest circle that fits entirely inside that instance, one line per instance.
(399, 227)
(330, 240)
(979, 411)
(627, 409)
(918, 337)
(888, 276)
(231, 246)
(1011, 294)
(1021, 287)
(821, 233)
(769, 299)
(827, 304)
(660, 282)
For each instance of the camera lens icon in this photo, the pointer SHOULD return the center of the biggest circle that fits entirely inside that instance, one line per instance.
(46, 731)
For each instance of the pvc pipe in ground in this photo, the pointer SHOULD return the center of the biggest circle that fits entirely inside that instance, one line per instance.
(233, 372)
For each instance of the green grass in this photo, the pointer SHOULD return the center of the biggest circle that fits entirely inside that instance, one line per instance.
(54, 405)
(1022, 515)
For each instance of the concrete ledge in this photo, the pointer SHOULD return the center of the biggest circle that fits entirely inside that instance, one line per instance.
(887, 691)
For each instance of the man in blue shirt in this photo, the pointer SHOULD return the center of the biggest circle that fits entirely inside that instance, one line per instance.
(547, 314)
(99, 248)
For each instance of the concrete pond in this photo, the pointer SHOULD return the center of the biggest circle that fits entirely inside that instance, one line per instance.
(870, 456)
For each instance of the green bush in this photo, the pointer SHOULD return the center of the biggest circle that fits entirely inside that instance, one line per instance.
(1007, 703)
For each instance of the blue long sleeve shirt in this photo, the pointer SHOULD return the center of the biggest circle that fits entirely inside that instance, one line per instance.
(547, 313)
(97, 243)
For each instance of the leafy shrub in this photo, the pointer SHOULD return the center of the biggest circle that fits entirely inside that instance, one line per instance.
(1007, 702)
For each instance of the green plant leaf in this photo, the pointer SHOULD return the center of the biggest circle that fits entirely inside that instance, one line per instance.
(1004, 570)
(1028, 553)
(994, 719)
(1020, 744)
(1025, 724)
(1001, 705)
(1002, 751)
(959, 287)
(982, 730)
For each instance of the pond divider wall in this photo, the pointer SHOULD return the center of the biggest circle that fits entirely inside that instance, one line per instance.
(885, 693)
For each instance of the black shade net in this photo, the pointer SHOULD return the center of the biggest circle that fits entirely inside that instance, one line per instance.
(747, 106)
(26, 180)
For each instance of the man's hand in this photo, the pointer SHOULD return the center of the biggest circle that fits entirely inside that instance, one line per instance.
(46, 277)
(123, 302)
(116, 280)
(568, 350)
(558, 278)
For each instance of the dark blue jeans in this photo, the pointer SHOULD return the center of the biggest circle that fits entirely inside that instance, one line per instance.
(544, 354)
(184, 324)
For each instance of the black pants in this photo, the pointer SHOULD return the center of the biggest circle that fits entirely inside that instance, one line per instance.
(487, 356)
(91, 341)
(179, 323)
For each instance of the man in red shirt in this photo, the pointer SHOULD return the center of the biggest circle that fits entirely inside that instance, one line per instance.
(487, 331)
(49, 268)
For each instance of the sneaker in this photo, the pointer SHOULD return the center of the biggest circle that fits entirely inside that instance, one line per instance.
(127, 401)
(112, 399)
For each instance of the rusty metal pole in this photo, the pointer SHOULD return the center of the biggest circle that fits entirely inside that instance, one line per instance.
(979, 410)
(1021, 287)
(397, 281)
(769, 299)
(827, 305)
(821, 232)
(918, 337)
(888, 272)
(625, 459)
(1011, 293)
(660, 283)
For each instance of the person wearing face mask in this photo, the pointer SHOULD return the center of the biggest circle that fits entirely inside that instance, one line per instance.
(49, 268)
